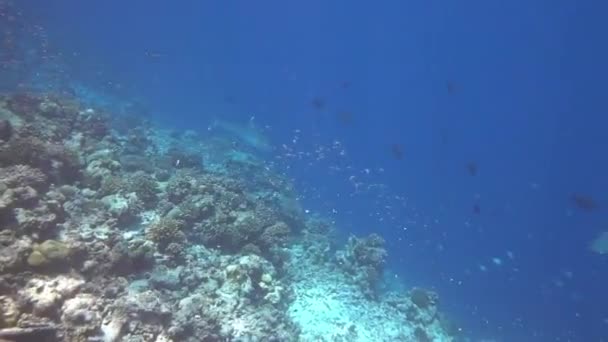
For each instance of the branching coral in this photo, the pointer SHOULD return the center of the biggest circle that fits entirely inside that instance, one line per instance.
(145, 187)
(111, 185)
(23, 175)
(54, 160)
(25, 150)
(166, 231)
(179, 188)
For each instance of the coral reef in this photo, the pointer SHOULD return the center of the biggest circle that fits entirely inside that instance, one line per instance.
(363, 259)
(114, 230)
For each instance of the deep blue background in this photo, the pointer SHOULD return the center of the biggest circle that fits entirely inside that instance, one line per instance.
(527, 105)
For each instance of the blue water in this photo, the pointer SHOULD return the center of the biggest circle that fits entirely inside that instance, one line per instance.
(386, 104)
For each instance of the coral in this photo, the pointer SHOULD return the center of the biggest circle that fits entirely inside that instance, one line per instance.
(148, 306)
(251, 276)
(181, 159)
(124, 208)
(39, 220)
(111, 185)
(98, 169)
(369, 251)
(222, 235)
(175, 251)
(275, 235)
(131, 257)
(23, 175)
(179, 188)
(166, 231)
(162, 175)
(13, 252)
(145, 187)
(9, 313)
(418, 305)
(318, 226)
(364, 259)
(12, 198)
(137, 141)
(134, 162)
(81, 315)
(421, 335)
(45, 295)
(166, 278)
(251, 248)
(26, 150)
(191, 210)
(37, 259)
(48, 252)
(423, 298)
(24, 104)
(93, 123)
(169, 251)
(130, 120)
(54, 160)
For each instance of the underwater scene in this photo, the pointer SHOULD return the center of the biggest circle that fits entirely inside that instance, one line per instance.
(331, 171)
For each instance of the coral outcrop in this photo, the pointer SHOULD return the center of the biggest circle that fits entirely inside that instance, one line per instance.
(363, 259)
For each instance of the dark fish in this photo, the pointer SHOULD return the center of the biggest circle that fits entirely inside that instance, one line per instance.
(451, 87)
(583, 202)
(318, 103)
(345, 117)
(472, 168)
(444, 137)
(229, 99)
(397, 151)
(476, 209)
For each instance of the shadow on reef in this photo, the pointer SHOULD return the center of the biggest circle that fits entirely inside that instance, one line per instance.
(116, 230)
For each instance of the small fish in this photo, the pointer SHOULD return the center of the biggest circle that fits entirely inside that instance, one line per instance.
(345, 117)
(397, 151)
(451, 87)
(318, 103)
(583, 202)
(229, 99)
(476, 209)
(472, 168)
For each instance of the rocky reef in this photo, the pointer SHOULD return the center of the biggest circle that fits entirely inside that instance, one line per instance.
(113, 229)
